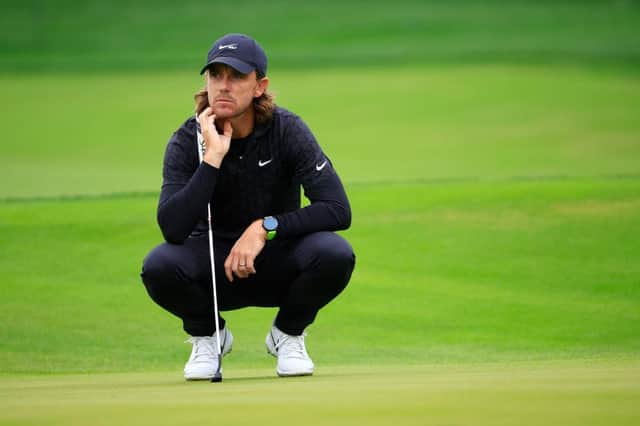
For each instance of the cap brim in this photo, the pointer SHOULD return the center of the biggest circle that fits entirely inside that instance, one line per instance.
(234, 63)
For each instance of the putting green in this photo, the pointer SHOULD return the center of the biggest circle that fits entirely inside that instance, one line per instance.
(557, 393)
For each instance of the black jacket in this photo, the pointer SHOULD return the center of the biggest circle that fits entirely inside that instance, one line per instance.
(260, 176)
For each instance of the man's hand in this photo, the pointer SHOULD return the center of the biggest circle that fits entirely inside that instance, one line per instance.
(216, 145)
(245, 250)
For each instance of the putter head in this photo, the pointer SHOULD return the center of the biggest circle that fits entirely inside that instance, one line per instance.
(217, 377)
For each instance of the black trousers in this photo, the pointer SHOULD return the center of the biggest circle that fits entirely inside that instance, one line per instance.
(299, 276)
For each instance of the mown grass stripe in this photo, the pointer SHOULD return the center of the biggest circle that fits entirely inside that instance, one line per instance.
(354, 183)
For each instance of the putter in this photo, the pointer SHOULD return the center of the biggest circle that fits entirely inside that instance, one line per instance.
(217, 377)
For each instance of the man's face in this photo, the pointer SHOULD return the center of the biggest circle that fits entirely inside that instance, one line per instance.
(231, 92)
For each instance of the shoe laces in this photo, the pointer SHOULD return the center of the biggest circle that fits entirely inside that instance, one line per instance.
(293, 346)
(203, 346)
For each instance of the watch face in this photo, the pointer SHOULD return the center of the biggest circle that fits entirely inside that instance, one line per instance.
(270, 223)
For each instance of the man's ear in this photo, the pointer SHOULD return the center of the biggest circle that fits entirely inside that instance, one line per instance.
(263, 83)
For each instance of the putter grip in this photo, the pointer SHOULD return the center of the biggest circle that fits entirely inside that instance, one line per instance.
(199, 141)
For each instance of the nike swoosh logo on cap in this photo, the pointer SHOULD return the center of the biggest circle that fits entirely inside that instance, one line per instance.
(264, 163)
(232, 46)
(321, 166)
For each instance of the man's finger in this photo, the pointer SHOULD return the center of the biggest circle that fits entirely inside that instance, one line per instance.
(228, 129)
(205, 113)
(212, 122)
(242, 269)
(239, 266)
(227, 269)
(242, 273)
(250, 268)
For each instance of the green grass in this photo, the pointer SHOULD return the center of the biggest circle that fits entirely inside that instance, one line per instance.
(107, 133)
(496, 210)
(94, 35)
(479, 272)
(491, 153)
(568, 393)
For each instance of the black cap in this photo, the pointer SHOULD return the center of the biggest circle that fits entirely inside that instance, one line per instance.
(238, 51)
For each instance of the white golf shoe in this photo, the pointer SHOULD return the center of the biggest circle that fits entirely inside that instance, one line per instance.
(203, 362)
(293, 359)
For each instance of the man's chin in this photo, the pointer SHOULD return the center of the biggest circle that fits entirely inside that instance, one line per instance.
(223, 114)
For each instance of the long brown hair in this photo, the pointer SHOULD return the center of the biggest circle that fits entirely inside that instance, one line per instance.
(263, 105)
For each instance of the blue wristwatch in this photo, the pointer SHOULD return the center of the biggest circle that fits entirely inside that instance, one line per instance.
(270, 224)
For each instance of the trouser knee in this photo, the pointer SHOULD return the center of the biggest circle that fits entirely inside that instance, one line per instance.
(157, 269)
(326, 264)
(334, 255)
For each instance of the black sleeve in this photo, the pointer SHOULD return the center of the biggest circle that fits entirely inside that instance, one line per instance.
(186, 186)
(329, 209)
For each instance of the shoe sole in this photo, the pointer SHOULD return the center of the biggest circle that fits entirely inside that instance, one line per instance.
(305, 373)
